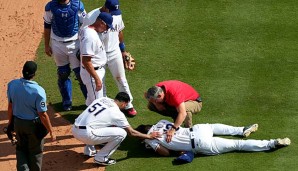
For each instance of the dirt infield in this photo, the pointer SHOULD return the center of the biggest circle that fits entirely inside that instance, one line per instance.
(20, 34)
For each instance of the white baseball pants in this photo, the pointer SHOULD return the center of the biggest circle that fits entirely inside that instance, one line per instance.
(89, 81)
(65, 53)
(116, 67)
(206, 144)
(113, 136)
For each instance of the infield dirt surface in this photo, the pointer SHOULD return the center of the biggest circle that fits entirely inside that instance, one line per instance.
(21, 31)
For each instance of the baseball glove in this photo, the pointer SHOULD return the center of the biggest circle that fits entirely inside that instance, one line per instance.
(129, 62)
(9, 131)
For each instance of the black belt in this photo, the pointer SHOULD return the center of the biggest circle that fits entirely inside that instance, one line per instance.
(95, 68)
(81, 127)
(192, 138)
(36, 120)
(67, 41)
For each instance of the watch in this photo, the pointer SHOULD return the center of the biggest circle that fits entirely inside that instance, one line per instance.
(176, 129)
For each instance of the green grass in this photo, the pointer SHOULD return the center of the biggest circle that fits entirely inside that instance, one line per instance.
(240, 55)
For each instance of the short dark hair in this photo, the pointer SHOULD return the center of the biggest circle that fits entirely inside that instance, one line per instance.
(143, 128)
(122, 97)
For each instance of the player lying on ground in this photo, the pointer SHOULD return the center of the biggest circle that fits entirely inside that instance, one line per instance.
(200, 139)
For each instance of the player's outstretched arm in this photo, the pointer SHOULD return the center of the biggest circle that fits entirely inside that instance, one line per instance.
(134, 133)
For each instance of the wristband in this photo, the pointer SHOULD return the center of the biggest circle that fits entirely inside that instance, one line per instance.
(122, 46)
(176, 129)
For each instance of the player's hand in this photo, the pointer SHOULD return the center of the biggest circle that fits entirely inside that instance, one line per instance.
(154, 135)
(123, 54)
(170, 134)
(53, 137)
(48, 50)
(98, 85)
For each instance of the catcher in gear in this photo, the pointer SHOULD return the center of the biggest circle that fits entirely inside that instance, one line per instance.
(129, 62)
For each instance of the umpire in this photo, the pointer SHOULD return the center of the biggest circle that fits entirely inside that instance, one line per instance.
(27, 112)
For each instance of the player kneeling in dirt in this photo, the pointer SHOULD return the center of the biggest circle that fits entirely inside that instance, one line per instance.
(103, 122)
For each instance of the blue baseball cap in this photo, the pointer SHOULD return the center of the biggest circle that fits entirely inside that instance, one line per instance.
(186, 157)
(106, 18)
(113, 6)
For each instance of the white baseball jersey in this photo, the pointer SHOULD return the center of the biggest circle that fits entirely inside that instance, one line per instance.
(91, 45)
(111, 38)
(102, 112)
(204, 141)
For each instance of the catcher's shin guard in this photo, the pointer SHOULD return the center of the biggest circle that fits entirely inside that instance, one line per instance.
(65, 86)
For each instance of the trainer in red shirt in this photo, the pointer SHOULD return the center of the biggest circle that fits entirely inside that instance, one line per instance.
(176, 99)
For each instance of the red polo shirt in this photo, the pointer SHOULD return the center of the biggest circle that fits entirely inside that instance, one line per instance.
(177, 92)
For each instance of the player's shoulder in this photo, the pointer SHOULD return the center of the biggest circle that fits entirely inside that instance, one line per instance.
(106, 101)
(81, 6)
(87, 32)
(49, 6)
(13, 81)
(39, 89)
(12, 84)
(92, 15)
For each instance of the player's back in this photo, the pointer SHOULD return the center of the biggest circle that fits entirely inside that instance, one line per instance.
(24, 94)
(102, 112)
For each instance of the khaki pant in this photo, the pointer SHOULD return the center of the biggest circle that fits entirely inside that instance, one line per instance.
(192, 107)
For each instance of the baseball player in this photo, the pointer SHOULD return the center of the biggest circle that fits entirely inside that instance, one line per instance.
(200, 139)
(113, 39)
(93, 55)
(62, 20)
(103, 122)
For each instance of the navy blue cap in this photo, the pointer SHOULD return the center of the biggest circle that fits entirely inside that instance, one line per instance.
(107, 18)
(29, 69)
(186, 157)
(113, 6)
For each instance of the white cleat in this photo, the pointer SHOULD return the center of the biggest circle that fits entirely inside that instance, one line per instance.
(89, 150)
(250, 129)
(106, 163)
(282, 142)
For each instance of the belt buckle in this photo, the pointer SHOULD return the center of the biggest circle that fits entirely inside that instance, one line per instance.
(192, 135)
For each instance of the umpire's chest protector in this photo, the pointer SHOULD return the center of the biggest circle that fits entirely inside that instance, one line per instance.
(65, 22)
